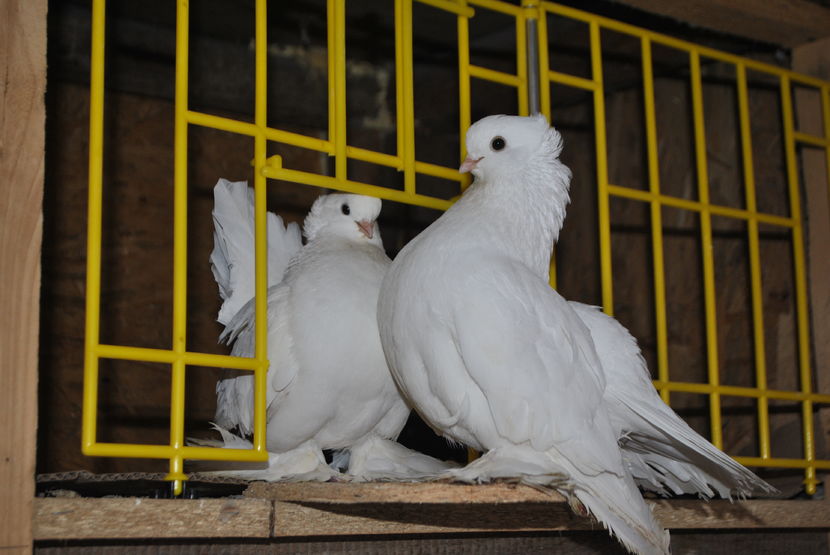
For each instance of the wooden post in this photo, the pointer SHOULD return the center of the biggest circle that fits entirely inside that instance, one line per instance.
(22, 119)
(814, 59)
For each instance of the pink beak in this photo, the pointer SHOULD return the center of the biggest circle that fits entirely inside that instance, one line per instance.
(469, 164)
(367, 227)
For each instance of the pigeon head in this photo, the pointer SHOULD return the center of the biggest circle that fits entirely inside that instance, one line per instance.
(351, 217)
(500, 146)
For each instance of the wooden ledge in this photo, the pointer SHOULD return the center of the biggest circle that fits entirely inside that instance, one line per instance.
(330, 509)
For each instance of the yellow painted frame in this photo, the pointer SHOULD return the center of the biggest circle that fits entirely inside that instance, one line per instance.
(405, 160)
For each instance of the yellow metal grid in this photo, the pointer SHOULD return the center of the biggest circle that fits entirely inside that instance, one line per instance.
(406, 162)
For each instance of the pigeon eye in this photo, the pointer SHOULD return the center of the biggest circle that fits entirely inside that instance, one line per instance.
(498, 143)
(345, 209)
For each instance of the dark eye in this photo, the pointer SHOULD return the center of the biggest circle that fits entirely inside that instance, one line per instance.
(498, 143)
(345, 209)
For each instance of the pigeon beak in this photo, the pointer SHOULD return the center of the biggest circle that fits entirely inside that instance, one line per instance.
(469, 164)
(367, 228)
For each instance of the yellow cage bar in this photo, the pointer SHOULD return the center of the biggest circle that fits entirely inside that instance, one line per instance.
(405, 160)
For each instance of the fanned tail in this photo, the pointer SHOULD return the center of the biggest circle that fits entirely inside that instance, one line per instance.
(667, 453)
(232, 259)
(661, 451)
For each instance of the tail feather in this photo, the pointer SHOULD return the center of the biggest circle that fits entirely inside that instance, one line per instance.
(232, 259)
(670, 452)
(660, 449)
(618, 505)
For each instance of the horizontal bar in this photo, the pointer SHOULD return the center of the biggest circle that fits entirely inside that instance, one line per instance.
(250, 129)
(782, 463)
(497, 6)
(811, 139)
(355, 187)
(143, 354)
(495, 76)
(380, 158)
(646, 196)
(448, 6)
(736, 391)
(439, 171)
(134, 450)
(573, 81)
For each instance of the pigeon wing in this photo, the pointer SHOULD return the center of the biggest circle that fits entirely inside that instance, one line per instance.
(517, 335)
(235, 396)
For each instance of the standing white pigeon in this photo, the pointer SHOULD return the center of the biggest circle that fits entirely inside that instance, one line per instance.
(328, 383)
(489, 354)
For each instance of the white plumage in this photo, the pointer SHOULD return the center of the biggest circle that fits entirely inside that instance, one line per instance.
(232, 259)
(492, 357)
(328, 383)
(662, 452)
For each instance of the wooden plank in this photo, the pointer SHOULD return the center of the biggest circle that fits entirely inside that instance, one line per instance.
(814, 59)
(784, 22)
(391, 492)
(679, 514)
(293, 519)
(22, 119)
(84, 518)
(328, 509)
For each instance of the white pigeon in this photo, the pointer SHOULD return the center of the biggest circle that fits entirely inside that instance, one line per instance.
(489, 354)
(328, 383)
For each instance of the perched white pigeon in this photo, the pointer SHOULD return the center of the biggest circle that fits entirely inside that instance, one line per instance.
(328, 383)
(489, 354)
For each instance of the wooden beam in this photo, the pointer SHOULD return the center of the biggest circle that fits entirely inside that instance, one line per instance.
(325, 510)
(22, 119)
(77, 518)
(787, 23)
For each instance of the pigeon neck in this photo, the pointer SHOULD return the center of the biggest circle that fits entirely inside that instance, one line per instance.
(526, 212)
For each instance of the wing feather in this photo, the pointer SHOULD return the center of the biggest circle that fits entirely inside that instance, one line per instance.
(529, 353)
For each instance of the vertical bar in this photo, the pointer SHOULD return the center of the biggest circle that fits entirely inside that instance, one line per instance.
(340, 89)
(408, 98)
(754, 264)
(800, 286)
(331, 47)
(93, 246)
(523, 90)
(656, 218)
(532, 26)
(260, 225)
(602, 171)
(179, 246)
(706, 241)
(464, 115)
(544, 82)
(400, 123)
